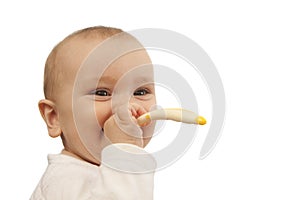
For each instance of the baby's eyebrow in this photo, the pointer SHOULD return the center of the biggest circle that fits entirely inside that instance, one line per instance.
(111, 81)
(107, 79)
(144, 79)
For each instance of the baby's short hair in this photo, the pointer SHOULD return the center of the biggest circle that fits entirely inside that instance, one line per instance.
(51, 71)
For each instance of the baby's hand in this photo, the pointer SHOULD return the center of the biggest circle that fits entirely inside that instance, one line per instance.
(122, 126)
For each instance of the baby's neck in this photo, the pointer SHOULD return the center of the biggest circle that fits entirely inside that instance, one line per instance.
(68, 153)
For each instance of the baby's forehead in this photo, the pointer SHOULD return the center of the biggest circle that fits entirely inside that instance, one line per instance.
(95, 55)
(136, 65)
(87, 58)
(72, 54)
(106, 51)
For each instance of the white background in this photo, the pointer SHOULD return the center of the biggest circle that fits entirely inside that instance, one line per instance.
(255, 46)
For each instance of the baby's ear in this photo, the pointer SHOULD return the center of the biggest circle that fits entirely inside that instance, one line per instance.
(50, 116)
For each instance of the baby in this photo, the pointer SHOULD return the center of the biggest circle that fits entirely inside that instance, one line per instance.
(97, 82)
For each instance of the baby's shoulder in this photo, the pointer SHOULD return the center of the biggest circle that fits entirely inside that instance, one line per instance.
(63, 169)
(65, 173)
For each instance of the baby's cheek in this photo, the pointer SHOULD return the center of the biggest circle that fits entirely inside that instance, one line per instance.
(149, 104)
(103, 112)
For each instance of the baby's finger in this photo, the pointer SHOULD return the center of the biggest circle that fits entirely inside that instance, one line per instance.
(137, 109)
(133, 111)
(140, 111)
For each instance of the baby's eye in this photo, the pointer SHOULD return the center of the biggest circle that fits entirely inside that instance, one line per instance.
(101, 92)
(141, 92)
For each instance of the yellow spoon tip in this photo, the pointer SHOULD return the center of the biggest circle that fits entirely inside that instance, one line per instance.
(201, 120)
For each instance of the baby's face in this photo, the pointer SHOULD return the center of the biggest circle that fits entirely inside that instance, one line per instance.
(88, 96)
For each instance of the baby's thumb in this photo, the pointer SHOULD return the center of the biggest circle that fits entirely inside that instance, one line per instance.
(125, 120)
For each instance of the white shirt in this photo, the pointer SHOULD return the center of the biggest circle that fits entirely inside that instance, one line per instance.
(67, 178)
